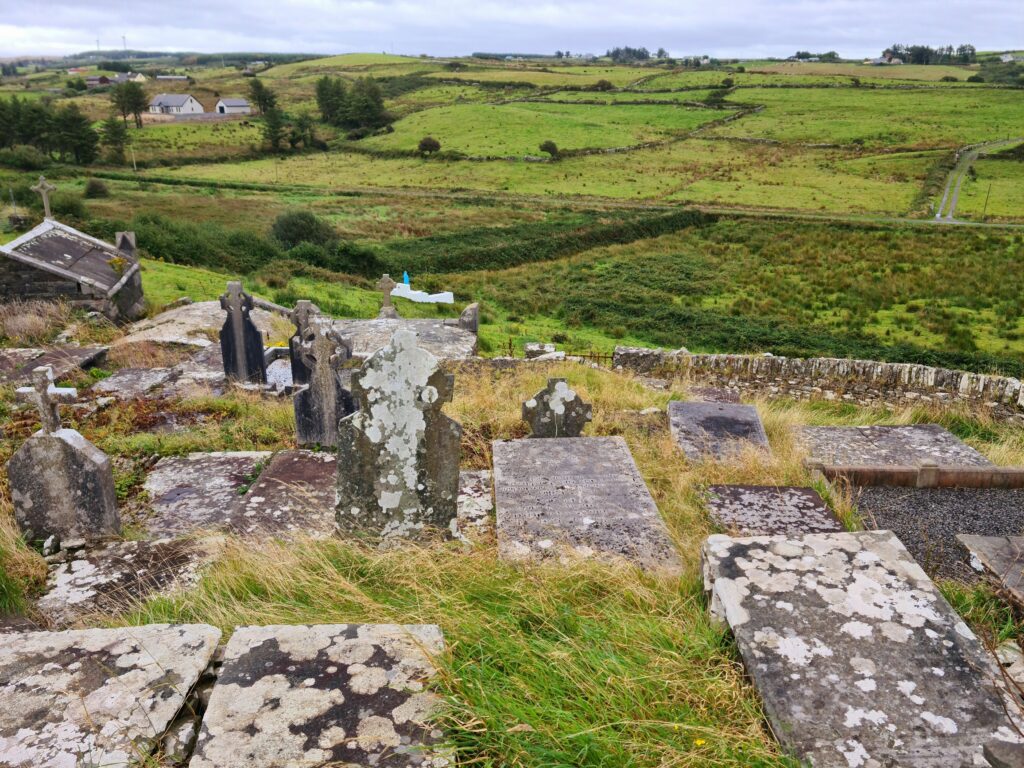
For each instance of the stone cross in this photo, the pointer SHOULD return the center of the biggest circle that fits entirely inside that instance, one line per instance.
(398, 456)
(46, 397)
(44, 188)
(241, 343)
(320, 405)
(556, 411)
(386, 285)
(304, 315)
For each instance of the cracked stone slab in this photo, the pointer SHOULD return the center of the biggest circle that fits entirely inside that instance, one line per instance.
(133, 383)
(578, 495)
(324, 695)
(715, 429)
(912, 445)
(114, 577)
(445, 342)
(194, 325)
(195, 492)
(1002, 557)
(860, 661)
(17, 364)
(474, 519)
(764, 510)
(97, 697)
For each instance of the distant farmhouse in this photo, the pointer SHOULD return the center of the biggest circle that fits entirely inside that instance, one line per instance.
(233, 107)
(1007, 58)
(55, 261)
(175, 104)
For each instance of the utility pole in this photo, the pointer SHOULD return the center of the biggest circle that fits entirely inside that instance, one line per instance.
(984, 211)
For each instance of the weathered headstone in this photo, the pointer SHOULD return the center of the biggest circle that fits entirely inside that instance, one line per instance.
(61, 484)
(911, 445)
(324, 695)
(556, 411)
(96, 697)
(386, 285)
(241, 342)
(1002, 557)
(469, 320)
(398, 456)
(324, 400)
(304, 316)
(858, 658)
(44, 188)
(581, 496)
(717, 430)
(766, 510)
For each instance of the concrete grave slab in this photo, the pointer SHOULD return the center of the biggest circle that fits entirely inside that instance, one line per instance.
(577, 495)
(196, 492)
(132, 383)
(99, 697)
(763, 510)
(324, 695)
(194, 325)
(445, 342)
(927, 521)
(859, 659)
(912, 445)
(112, 577)
(1002, 557)
(715, 430)
(16, 365)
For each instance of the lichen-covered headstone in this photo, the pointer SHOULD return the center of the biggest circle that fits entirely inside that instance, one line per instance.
(304, 316)
(241, 342)
(325, 400)
(61, 484)
(398, 456)
(557, 411)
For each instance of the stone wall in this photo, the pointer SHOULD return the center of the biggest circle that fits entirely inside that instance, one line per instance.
(864, 382)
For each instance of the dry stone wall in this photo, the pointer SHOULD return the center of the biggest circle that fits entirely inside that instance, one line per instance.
(863, 382)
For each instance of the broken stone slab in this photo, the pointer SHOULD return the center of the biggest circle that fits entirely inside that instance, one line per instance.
(912, 445)
(445, 342)
(194, 325)
(100, 697)
(118, 575)
(534, 349)
(859, 659)
(133, 383)
(765, 510)
(1002, 557)
(324, 695)
(16, 365)
(578, 497)
(718, 430)
(715, 394)
(557, 411)
(476, 506)
(195, 492)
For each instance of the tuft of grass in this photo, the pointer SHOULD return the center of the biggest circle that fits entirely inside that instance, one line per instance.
(28, 323)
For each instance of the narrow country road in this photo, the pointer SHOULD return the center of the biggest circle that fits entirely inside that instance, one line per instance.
(957, 175)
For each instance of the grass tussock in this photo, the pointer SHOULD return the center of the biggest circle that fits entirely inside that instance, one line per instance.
(28, 323)
(146, 354)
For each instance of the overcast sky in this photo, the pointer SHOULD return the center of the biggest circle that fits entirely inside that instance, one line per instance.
(726, 28)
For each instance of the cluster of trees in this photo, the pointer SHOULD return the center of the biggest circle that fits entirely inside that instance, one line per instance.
(61, 132)
(359, 106)
(129, 99)
(626, 54)
(830, 56)
(8, 69)
(925, 54)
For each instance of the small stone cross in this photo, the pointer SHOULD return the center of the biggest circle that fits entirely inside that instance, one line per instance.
(386, 286)
(46, 397)
(557, 411)
(44, 188)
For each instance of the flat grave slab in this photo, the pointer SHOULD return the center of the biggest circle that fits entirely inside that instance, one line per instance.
(577, 495)
(96, 696)
(293, 494)
(195, 492)
(445, 342)
(1002, 557)
(194, 325)
(765, 510)
(112, 577)
(912, 445)
(323, 695)
(132, 383)
(927, 521)
(715, 429)
(17, 364)
(859, 659)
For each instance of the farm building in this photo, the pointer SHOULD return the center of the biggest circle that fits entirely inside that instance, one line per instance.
(1007, 58)
(129, 77)
(175, 104)
(55, 261)
(233, 107)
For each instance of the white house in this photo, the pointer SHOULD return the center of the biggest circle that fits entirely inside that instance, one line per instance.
(1007, 58)
(233, 107)
(175, 104)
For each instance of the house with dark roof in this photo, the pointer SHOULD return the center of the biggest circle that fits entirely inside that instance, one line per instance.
(55, 261)
(233, 107)
(175, 104)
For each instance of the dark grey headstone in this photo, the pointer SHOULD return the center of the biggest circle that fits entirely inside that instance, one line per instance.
(305, 317)
(469, 319)
(324, 695)
(1002, 557)
(580, 496)
(325, 400)
(241, 342)
(715, 429)
(912, 445)
(764, 510)
(398, 456)
(96, 697)
(858, 658)
(557, 411)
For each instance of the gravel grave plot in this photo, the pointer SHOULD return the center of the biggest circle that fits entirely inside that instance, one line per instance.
(927, 521)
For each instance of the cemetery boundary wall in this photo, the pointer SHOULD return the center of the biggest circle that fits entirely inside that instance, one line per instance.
(863, 382)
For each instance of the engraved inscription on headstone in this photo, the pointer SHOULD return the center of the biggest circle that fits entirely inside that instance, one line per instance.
(556, 411)
(241, 342)
(324, 401)
(715, 429)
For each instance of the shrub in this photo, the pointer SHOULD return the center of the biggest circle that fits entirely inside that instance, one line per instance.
(32, 322)
(602, 85)
(949, 79)
(96, 188)
(550, 147)
(67, 204)
(429, 145)
(294, 227)
(975, 79)
(24, 158)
